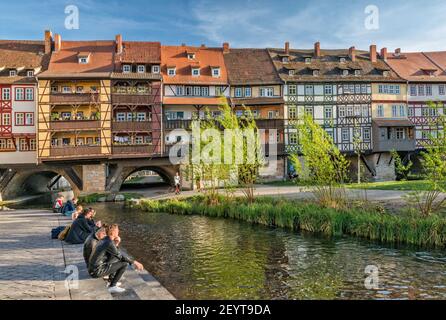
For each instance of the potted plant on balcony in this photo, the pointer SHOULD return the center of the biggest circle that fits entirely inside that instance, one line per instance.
(95, 116)
(55, 116)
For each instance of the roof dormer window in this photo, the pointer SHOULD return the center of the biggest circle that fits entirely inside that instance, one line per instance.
(345, 72)
(171, 71)
(127, 68)
(191, 55)
(12, 73)
(316, 73)
(342, 60)
(83, 57)
(195, 72)
(307, 60)
(141, 69)
(30, 73)
(357, 72)
(216, 72)
(285, 59)
(386, 73)
(291, 72)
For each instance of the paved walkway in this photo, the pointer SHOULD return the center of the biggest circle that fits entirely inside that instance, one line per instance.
(32, 266)
(290, 192)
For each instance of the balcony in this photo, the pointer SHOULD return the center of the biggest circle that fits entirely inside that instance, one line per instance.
(387, 145)
(75, 151)
(68, 125)
(278, 124)
(178, 124)
(132, 126)
(74, 98)
(133, 99)
(135, 150)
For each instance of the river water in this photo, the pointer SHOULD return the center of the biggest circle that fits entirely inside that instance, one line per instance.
(206, 258)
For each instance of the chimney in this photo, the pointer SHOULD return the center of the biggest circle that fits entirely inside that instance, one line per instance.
(384, 54)
(226, 47)
(287, 47)
(48, 41)
(57, 42)
(119, 47)
(373, 57)
(317, 49)
(352, 53)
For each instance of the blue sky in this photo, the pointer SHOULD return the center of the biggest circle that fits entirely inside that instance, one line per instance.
(410, 24)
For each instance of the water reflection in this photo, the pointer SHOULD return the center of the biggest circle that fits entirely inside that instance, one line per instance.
(203, 258)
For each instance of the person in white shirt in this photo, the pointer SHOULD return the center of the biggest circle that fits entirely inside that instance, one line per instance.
(177, 180)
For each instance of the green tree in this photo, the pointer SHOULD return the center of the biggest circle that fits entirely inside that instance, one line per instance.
(320, 163)
(401, 169)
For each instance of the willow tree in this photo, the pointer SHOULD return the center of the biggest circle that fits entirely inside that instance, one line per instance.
(242, 147)
(320, 164)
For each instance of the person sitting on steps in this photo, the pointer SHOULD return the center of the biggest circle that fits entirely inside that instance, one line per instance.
(92, 241)
(82, 227)
(108, 260)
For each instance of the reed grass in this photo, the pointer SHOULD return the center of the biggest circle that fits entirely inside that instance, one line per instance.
(294, 215)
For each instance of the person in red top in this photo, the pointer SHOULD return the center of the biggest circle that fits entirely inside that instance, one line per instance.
(58, 204)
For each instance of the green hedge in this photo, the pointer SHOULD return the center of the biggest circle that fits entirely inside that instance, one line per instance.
(295, 215)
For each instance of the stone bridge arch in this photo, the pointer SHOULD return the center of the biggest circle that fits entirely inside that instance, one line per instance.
(21, 182)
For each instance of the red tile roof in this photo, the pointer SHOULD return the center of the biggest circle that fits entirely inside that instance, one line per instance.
(206, 57)
(65, 62)
(16, 54)
(140, 52)
(413, 66)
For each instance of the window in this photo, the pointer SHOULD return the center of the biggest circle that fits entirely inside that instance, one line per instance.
(219, 91)
(380, 111)
(179, 90)
(308, 111)
(366, 134)
(6, 144)
(6, 119)
(363, 89)
(307, 60)
(291, 72)
(238, 92)
(171, 72)
(411, 112)
(328, 112)
(413, 91)
(365, 111)
(195, 72)
(54, 89)
(402, 110)
(32, 145)
(345, 134)
(292, 112)
(79, 89)
(29, 94)
(330, 133)
(389, 89)
(19, 119)
(66, 90)
(205, 91)
(429, 90)
(19, 94)
(197, 91)
(316, 73)
(357, 72)
(394, 111)
(285, 59)
(216, 72)
(6, 94)
(13, 73)
(189, 91)
(266, 92)
(248, 92)
(120, 116)
(345, 73)
(126, 68)
(30, 73)
(80, 141)
(349, 111)
(342, 60)
(156, 69)
(141, 116)
(83, 60)
(421, 90)
(141, 69)
(441, 89)
(309, 90)
(294, 138)
(191, 56)
(292, 90)
(400, 134)
(328, 90)
(342, 112)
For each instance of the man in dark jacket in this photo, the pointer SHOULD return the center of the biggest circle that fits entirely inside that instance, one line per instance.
(82, 227)
(91, 243)
(108, 260)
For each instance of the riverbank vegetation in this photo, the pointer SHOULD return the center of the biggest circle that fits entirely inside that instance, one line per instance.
(102, 197)
(361, 220)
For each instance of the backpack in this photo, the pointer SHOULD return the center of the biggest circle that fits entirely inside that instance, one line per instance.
(56, 231)
(64, 233)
